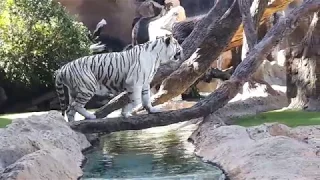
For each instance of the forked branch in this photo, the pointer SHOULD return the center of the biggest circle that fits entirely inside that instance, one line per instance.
(219, 97)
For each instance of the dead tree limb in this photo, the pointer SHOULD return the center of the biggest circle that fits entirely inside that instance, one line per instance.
(191, 43)
(250, 20)
(250, 35)
(251, 16)
(191, 70)
(219, 97)
(220, 27)
(215, 73)
(195, 39)
(115, 103)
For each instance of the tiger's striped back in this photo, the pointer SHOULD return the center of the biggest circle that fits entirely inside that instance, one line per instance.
(112, 72)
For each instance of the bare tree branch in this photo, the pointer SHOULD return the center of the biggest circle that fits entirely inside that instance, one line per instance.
(218, 98)
(214, 15)
(250, 18)
(307, 40)
(195, 39)
(192, 69)
(116, 103)
(225, 26)
(250, 29)
(221, 9)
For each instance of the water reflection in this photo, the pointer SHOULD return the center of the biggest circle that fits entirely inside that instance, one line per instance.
(155, 153)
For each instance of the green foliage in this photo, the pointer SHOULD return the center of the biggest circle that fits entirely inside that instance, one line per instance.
(36, 37)
(289, 118)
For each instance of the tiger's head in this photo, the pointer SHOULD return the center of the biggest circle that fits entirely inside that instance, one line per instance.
(172, 49)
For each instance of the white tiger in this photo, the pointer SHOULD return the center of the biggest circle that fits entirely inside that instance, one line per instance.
(131, 71)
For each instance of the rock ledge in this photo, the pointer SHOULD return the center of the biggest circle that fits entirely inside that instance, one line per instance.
(41, 147)
(268, 151)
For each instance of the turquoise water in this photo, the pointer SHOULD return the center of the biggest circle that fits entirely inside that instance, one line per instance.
(155, 153)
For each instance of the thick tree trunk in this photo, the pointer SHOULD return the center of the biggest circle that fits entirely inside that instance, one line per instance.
(225, 26)
(303, 70)
(215, 100)
(217, 39)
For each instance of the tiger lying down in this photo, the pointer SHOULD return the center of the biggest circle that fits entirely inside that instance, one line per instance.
(131, 71)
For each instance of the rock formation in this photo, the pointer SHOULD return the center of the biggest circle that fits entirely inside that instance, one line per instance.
(268, 151)
(41, 147)
(119, 14)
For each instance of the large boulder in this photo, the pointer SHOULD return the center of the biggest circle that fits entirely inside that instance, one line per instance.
(268, 151)
(41, 146)
(120, 14)
(43, 164)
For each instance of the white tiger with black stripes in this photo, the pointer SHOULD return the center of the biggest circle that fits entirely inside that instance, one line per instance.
(131, 71)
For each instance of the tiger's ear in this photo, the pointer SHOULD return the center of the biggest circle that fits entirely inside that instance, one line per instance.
(167, 40)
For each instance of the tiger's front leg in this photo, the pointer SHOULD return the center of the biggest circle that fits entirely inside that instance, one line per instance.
(135, 99)
(146, 100)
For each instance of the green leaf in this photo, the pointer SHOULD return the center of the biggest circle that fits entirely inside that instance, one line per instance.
(35, 37)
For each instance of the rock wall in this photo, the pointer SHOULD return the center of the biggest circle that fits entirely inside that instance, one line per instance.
(41, 147)
(119, 14)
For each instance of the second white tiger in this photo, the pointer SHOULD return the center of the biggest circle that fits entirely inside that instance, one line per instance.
(131, 71)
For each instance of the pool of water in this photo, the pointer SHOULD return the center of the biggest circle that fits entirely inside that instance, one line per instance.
(155, 153)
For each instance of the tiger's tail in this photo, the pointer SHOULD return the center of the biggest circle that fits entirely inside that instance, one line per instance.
(60, 92)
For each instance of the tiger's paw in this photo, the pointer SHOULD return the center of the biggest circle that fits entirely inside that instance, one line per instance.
(126, 115)
(154, 110)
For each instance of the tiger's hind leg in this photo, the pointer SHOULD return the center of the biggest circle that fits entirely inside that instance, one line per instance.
(79, 103)
(71, 112)
(83, 93)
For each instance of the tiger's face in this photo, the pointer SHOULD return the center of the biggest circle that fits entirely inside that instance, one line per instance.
(173, 50)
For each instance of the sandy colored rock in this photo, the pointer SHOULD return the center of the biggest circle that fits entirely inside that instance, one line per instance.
(311, 134)
(268, 151)
(43, 164)
(40, 136)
